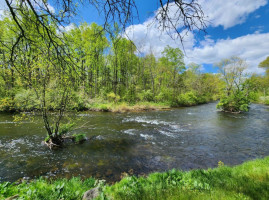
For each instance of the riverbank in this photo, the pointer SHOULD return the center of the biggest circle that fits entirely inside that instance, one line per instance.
(124, 107)
(102, 105)
(249, 180)
(263, 100)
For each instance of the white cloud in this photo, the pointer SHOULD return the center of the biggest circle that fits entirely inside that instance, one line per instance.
(253, 48)
(230, 12)
(150, 39)
(67, 28)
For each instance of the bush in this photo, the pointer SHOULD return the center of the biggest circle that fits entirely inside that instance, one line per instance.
(26, 100)
(112, 97)
(79, 138)
(234, 102)
(78, 101)
(264, 99)
(7, 104)
(65, 128)
(104, 108)
(187, 99)
(146, 95)
(130, 95)
(160, 97)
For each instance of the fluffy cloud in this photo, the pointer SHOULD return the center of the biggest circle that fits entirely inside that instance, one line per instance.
(67, 28)
(253, 47)
(230, 12)
(149, 39)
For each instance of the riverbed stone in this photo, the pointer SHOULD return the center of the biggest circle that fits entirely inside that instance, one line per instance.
(91, 194)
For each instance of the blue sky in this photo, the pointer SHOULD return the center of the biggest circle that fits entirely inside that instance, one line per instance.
(236, 28)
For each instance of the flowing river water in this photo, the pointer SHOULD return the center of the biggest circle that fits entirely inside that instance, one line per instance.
(136, 143)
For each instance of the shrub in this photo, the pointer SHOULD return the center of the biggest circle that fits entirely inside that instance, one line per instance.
(187, 99)
(79, 138)
(65, 128)
(146, 95)
(112, 97)
(26, 100)
(234, 102)
(7, 104)
(78, 101)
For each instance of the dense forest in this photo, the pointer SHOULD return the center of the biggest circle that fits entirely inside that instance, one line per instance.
(102, 67)
(98, 66)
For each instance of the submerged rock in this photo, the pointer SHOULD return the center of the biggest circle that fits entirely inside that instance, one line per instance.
(91, 194)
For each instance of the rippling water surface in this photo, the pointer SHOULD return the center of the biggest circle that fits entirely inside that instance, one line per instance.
(139, 143)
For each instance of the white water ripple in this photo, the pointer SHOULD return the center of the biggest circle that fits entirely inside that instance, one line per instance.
(145, 120)
(146, 136)
(129, 131)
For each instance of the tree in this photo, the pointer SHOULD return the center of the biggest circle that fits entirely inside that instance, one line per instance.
(37, 69)
(236, 95)
(265, 64)
(173, 62)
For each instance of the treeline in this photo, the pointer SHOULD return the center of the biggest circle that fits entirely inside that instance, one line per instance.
(92, 65)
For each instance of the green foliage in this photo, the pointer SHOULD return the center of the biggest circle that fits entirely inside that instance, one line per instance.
(112, 97)
(264, 100)
(146, 95)
(26, 100)
(234, 103)
(187, 99)
(47, 138)
(79, 138)
(65, 128)
(47, 189)
(130, 95)
(7, 104)
(265, 64)
(238, 90)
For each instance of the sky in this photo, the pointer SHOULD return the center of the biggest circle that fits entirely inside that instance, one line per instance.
(234, 28)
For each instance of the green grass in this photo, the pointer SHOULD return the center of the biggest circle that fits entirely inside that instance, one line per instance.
(247, 181)
(47, 189)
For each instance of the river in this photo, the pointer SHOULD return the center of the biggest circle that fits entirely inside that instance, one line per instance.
(136, 143)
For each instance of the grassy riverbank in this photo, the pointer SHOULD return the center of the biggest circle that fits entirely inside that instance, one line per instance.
(247, 181)
(125, 107)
